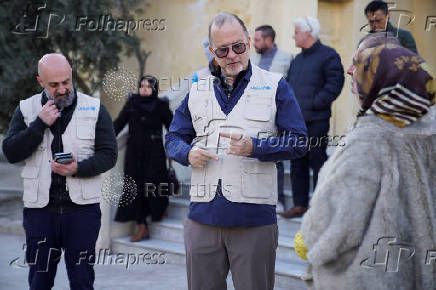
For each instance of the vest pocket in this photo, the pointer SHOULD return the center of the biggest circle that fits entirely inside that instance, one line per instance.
(198, 182)
(257, 179)
(91, 187)
(258, 108)
(86, 128)
(30, 183)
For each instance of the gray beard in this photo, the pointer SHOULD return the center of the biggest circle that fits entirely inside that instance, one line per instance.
(64, 102)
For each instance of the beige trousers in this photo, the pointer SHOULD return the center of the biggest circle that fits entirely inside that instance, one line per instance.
(248, 252)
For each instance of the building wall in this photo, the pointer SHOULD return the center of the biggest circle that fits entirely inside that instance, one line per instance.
(341, 23)
(177, 51)
(337, 27)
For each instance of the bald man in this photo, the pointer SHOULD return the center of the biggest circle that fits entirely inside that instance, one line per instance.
(61, 200)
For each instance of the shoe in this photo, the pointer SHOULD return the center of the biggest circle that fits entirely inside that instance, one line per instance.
(141, 234)
(296, 211)
(280, 208)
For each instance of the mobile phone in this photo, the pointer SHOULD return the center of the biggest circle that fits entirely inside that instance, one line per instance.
(63, 157)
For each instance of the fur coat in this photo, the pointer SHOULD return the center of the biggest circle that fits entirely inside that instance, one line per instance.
(372, 218)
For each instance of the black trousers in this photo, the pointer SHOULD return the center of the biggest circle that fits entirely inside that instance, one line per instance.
(314, 159)
(48, 233)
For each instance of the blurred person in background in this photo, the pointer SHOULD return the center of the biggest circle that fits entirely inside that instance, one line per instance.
(145, 160)
(378, 15)
(316, 75)
(270, 58)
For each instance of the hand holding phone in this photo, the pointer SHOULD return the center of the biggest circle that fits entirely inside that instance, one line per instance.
(63, 157)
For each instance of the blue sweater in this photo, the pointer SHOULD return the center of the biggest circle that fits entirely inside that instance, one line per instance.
(220, 211)
(317, 77)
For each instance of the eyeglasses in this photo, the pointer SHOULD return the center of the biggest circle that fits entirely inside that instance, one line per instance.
(237, 48)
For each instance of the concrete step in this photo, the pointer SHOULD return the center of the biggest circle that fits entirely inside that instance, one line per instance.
(178, 208)
(172, 230)
(288, 272)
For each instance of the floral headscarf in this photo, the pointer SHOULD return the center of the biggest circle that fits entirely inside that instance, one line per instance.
(395, 84)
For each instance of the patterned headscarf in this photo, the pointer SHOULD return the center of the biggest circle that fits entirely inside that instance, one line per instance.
(394, 84)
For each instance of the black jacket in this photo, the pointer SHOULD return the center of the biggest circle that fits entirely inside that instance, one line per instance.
(404, 37)
(145, 159)
(316, 75)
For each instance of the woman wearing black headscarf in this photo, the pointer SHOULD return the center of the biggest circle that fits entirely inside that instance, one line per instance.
(145, 160)
(372, 218)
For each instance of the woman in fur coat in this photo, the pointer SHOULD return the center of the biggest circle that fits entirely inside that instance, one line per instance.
(372, 218)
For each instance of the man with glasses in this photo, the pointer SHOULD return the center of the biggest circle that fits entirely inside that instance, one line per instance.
(377, 13)
(317, 77)
(232, 129)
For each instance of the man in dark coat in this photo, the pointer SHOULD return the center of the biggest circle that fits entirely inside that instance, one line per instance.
(378, 19)
(317, 77)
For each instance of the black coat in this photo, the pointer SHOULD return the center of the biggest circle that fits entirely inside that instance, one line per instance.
(145, 159)
(316, 75)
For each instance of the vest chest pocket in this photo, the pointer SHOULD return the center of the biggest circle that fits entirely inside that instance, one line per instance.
(258, 108)
(86, 128)
(86, 136)
(200, 123)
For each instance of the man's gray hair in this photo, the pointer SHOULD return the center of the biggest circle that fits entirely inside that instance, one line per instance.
(308, 24)
(225, 17)
(377, 39)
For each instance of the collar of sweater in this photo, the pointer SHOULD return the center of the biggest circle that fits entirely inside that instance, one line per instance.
(313, 48)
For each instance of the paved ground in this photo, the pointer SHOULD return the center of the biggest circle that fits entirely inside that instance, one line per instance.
(113, 277)
(110, 277)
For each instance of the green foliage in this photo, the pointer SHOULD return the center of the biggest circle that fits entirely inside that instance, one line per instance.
(90, 53)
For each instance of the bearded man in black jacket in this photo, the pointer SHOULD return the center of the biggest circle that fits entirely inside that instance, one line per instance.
(61, 200)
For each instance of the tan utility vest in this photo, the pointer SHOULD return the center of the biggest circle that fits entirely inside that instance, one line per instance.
(244, 179)
(78, 138)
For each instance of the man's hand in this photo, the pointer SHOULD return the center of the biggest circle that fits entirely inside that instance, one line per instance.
(239, 144)
(49, 113)
(198, 157)
(65, 169)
